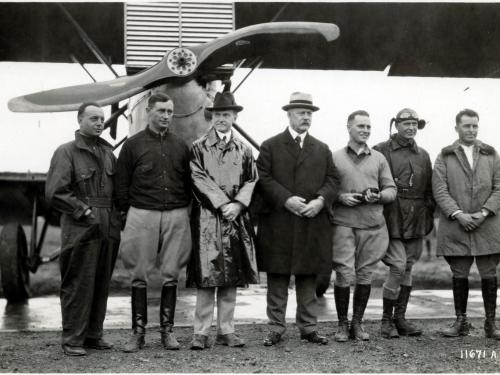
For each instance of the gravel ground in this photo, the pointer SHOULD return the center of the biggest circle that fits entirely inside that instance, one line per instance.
(40, 352)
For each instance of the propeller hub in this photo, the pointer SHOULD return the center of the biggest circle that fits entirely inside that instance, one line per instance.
(182, 61)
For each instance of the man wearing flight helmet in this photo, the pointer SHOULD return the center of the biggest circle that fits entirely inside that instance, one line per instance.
(409, 218)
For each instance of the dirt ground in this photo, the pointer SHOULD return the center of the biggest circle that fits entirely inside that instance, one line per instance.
(430, 353)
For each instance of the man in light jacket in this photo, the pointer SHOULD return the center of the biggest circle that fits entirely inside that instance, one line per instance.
(466, 186)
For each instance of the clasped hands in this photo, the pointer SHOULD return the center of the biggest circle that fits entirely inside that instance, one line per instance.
(470, 222)
(230, 211)
(297, 205)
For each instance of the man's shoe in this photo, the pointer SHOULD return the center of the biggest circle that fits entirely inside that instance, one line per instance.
(358, 331)
(169, 341)
(361, 296)
(99, 344)
(199, 342)
(342, 334)
(73, 350)
(489, 291)
(405, 328)
(314, 337)
(139, 320)
(167, 312)
(272, 338)
(230, 339)
(459, 328)
(388, 329)
(135, 343)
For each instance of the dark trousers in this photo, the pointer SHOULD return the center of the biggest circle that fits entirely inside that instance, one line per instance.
(86, 270)
(486, 264)
(277, 298)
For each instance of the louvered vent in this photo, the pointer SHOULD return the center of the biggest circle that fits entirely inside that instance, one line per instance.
(152, 29)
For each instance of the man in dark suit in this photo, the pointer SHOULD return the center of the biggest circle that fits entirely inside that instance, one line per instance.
(298, 182)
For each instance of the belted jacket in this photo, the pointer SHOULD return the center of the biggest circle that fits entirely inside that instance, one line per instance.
(411, 214)
(81, 177)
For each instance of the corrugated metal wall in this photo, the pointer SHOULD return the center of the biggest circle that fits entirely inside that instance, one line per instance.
(151, 29)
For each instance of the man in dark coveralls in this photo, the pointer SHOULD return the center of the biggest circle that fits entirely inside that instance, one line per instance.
(79, 185)
(298, 182)
(409, 218)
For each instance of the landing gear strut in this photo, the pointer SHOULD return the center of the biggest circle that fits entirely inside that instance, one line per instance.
(14, 263)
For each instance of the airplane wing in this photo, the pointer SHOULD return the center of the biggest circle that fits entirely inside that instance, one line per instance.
(186, 62)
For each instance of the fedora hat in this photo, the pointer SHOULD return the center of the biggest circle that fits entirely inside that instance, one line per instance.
(300, 100)
(224, 101)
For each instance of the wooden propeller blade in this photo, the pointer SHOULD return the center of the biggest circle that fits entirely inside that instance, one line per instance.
(255, 40)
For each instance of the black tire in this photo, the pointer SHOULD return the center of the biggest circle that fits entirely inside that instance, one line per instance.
(322, 284)
(14, 263)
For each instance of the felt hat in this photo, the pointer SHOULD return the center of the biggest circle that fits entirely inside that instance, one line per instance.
(300, 100)
(224, 101)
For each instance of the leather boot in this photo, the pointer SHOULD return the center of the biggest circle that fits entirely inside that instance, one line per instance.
(404, 327)
(387, 327)
(361, 296)
(460, 295)
(342, 295)
(167, 312)
(139, 320)
(489, 289)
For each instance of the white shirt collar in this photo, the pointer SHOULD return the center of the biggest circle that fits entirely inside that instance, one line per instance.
(294, 135)
(228, 135)
(469, 153)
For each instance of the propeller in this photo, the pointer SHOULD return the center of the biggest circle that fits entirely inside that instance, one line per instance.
(183, 63)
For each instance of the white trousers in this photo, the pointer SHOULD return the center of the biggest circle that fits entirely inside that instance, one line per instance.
(204, 312)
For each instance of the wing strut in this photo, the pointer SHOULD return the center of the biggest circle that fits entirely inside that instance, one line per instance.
(86, 39)
(258, 63)
(75, 60)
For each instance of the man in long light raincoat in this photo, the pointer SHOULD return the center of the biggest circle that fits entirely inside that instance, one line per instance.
(224, 175)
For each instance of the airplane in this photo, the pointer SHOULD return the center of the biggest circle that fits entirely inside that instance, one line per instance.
(175, 74)
(372, 37)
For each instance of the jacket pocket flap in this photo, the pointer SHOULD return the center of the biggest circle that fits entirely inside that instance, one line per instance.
(84, 174)
(145, 167)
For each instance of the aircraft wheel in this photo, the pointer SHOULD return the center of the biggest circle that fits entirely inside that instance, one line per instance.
(322, 284)
(14, 263)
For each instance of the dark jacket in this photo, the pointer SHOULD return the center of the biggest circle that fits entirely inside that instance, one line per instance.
(153, 172)
(411, 215)
(289, 244)
(458, 187)
(81, 177)
(223, 251)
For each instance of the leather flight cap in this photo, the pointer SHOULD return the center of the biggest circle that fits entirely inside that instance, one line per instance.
(224, 101)
(409, 114)
(300, 100)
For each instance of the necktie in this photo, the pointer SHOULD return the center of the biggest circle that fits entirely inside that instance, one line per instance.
(297, 140)
(224, 140)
